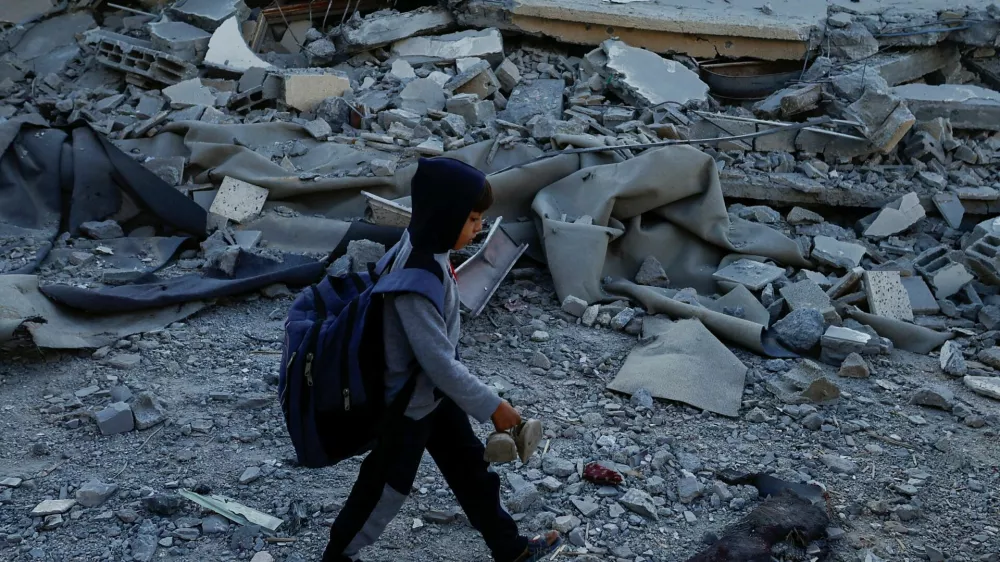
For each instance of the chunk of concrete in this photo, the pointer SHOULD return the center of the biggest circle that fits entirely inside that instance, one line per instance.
(238, 200)
(116, 418)
(210, 15)
(790, 101)
(852, 42)
(934, 396)
(421, 95)
(189, 93)
(402, 70)
(896, 217)
(901, 67)
(965, 106)
(984, 258)
(485, 44)
(646, 79)
(798, 215)
(475, 111)
(102, 230)
(541, 97)
(922, 301)
(885, 119)
(180, 39)
(855, 367)
(950, 207)
(806, 294)
(834, 253)
(886, 295)
(751, 274)
(952, 359)
(227, 50)
(801, 329)
(148, 411)
(295, 36)
(305, 89)
(388, 26)
(651, 273)
(839, 342)
(52, 507)
(946, 276)
(508, 75)
(477, 79)
(805, 383)
(985, 386)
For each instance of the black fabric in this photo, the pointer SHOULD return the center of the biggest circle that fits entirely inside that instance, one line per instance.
(425, 261)
(252, 273)
(449, 438)
(442, 194)
(53, 180)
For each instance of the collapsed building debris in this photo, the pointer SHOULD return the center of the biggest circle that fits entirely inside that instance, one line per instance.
(828, 225)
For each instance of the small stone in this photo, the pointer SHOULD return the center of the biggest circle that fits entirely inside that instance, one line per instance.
(854, 366)
(689, 489)
(839, 465)
(125, 360)
(148, 411)
(249, 475)
(52, 522)
(94, 494)
(103, 230)
(651, 273)
(622, 319)
(757, 416)
(952, 360)
(643, 398)
(690, 517)
(262, 557)
(214, 525)
(813, 421)
(575, 306)
(540, 336)
(590, 315)
(52, 507)
(540, 361)
(555, 466)
(587, 508)
(640, 502)
(801, 329)
(116, 418)
(566, 523)
(934, 396)
(164, 505)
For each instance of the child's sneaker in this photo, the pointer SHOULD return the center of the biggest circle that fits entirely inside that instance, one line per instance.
(540, 547)
(527, 436)
(500, 448)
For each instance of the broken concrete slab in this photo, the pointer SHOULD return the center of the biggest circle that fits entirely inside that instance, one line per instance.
(475, 111)
(834, 253)
(896, 217)
(852, 42)
(805, 383)
(227, 50)
(210, 15)
(950, 207)
(238, 200)
(52, 34)
(485, 44)
(24, 11)
(541, 97)
(753, 275)
(646, 79)
(476, 79)
(985, 386)
(885, 119)
(922, 301)
(965, 106)
(790, 101)
(806, 294)
(839, 342)
(52, 507)
(188, 93)
(180, 39)
(304, 89)
(380, 28)
(421, 95)
(886, 295)
(901, 67)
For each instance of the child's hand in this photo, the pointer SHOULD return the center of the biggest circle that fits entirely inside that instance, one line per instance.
(505, 417)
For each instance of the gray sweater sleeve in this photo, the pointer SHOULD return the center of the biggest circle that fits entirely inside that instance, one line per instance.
(428, 336)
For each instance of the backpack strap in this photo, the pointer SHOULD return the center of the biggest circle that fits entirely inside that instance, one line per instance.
(419, 281)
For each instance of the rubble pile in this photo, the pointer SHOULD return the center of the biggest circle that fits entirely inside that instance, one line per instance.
(877, 159)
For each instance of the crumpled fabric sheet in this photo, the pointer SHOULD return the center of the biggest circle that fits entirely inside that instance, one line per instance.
(252, 272)
(52, 180)
(684, 362)
(53, 326)
(904, 335)
(128, 253)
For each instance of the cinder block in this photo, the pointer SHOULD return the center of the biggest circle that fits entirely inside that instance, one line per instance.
(944, 274)
(984, 258)
(137, 56)
(238, 200)
(886, 295)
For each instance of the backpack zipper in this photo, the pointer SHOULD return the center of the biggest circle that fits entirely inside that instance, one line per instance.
(308, 369)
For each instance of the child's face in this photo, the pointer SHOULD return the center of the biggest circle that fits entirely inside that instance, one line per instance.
(473, 226)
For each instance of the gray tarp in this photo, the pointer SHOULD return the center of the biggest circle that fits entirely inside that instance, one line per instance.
(53, 326)
(683, 361)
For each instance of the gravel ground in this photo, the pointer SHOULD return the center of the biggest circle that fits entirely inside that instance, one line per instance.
(905, 481)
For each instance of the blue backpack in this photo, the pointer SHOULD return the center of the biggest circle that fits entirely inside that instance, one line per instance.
(332, 380)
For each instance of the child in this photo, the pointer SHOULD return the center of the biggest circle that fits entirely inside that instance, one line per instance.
(448, 200)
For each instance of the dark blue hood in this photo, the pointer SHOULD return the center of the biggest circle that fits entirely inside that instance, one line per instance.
(443, 192)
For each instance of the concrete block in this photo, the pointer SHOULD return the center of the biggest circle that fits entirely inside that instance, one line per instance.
(402, 70)
(922, 301)
(946, 276)
(984, 258)
(386, 26)
(854, 366)
(790, 101)
(227, 50)
(189, 93)
(896, 217)
(485, 44)
(834, 253)
(295, 36)
(965, 106)
(508, 75)
(722, 127)
(543, 127)
(541, 97)
(137, 56)
(475, 111)
(886, 295)
(238, 200)
(950, 207)
(852, 42)
(305, 89)
(838, 342)
(210, 15)
(180, 39)
(808, 295)
(985, 386)
(901, 67)
(884, 118)
(430, 147)
(751, 274)
(952, 360)
(845, 283)
(421, 95)
(478, 79)
(116, 418)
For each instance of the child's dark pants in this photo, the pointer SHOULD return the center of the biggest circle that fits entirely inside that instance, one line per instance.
(387, 475)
